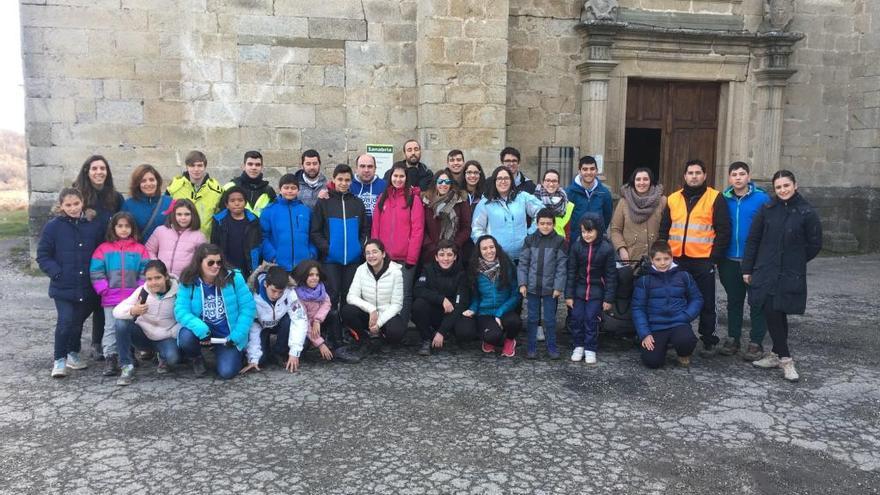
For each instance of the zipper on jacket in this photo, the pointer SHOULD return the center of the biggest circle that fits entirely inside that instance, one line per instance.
(589, 266)
(736, 229)
(344, 232)
(290, 222)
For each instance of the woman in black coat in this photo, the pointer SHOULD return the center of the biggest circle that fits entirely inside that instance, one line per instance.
(784, 236)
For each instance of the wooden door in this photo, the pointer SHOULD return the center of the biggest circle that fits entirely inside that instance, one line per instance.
(687, 115)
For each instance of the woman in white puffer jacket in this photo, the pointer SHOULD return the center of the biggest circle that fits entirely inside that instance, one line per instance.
(375, 299)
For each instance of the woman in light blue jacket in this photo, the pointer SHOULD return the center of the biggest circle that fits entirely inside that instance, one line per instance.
(215, 308)
(503, 213)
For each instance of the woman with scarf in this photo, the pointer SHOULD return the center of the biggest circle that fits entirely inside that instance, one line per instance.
(554, 198)
(635, 224)
(447, 216)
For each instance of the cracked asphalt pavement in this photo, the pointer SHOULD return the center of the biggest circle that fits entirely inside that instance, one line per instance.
(455, 422)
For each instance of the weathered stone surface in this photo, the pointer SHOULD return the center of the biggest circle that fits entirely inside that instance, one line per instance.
(338, 29)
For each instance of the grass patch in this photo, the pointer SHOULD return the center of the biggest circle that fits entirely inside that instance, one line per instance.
(13, 223)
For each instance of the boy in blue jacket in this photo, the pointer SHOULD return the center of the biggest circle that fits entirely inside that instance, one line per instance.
(285, 225)
(665, 302)
(588, 194)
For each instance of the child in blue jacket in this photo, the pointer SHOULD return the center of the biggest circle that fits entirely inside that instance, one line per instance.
(665, 302)
(285, 224)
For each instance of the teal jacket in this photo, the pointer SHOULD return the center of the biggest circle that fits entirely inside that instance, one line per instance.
(239, 303)
(489, 299)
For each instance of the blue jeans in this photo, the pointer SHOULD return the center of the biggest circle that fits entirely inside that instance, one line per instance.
(69, 326)
(538, 306)
(228, 356)
(128, 333)
(585, 323)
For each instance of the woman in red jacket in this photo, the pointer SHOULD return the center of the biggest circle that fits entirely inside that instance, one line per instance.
(399, 222)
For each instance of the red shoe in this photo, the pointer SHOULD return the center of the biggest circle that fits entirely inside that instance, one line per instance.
(509, 349)
(488, 348)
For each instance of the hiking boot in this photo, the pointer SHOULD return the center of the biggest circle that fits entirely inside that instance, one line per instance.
(509, 348)
(98, 352)
(425, 349)
(488, 348)
(590, 357)
(111, 365)
(346, 354)
(162, 368)
(125, 375)
(683, 361)
(729, 348)
(531, 354)
(59, 368)
(540, 334)
(709, 350)
(753, 352)
(577, 354)
(787, 365)
(199, 367)
(770, 360)
(75, 362)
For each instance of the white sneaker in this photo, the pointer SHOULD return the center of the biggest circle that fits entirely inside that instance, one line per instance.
(540, 333)
(770, 360)
(75, 362)
(577, 354)
(59, 369)
(589, 357)
(787, 365)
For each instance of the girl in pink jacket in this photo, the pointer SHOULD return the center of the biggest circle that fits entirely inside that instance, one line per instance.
(175, 242)
(314, 298)
(117, 269)
(399, 222)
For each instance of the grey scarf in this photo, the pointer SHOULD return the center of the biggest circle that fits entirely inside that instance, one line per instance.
(641, 207)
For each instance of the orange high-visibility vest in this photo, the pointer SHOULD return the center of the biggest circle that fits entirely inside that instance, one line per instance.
(691, 232)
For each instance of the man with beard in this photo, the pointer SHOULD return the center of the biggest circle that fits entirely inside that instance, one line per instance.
(417, 173)
(312, 183)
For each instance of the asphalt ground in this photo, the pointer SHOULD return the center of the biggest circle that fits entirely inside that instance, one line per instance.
(454, 422)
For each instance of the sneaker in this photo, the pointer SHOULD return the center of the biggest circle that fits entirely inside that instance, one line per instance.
(729, 348)
(754, 352)
(554, 354)
(98, 352)
(75, 362)
(425, 349)
(770, 360)
(787, 365)
(125, 375)
(577, 354)
(199, 367)
(144, 356)
(509, 349)
(589, 357)
(488, 348)
(59, 368)
(111, 365)
(162, 368)
(683, 361)
(346, 354)
(709, 350)
(541, 336)
(531, 354)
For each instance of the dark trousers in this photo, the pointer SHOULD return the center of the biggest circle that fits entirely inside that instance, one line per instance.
(69, 327)
(777, 324)
(129, 334)
(703, 272)
(487, 328)
(97, 312)
(429, 318)
(228, 356)
(730, 273)
(585, 323)
(359, 320)
(681, 338)
(339, 279)
(539, 306)
(281, 332)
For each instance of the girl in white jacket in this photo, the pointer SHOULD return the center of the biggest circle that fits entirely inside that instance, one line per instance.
(279, 312)
(145, 320)
(375, 299)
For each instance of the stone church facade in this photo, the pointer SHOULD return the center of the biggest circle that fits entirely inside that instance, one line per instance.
(776, 83)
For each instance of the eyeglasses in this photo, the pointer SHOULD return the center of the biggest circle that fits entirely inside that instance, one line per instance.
(551, 181)
(510, 161)
(502, 179)
(441, 182)
(214, 262)
(472, 172)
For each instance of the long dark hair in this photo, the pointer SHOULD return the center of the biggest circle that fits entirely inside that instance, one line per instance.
(492, 191)
(500, 255)
(407, 190)
(193, 270)
(107, 196)
(122, 215)
(171, 219)
(481, 184)
(302, 270)
(632, 178)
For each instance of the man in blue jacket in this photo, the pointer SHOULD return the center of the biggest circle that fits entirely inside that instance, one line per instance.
(588, 193)
(367, 186)
(744, 200)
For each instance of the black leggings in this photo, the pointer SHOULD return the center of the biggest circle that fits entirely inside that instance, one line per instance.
(430, 319)
(777, 325)
(487, 328)
(359, 320)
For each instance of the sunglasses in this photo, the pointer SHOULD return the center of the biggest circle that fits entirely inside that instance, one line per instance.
(441, 182)
(214, 262)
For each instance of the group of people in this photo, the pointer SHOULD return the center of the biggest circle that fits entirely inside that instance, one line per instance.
(345, 264)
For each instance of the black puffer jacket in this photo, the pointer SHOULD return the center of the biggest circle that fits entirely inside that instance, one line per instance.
(592, 272)
(784, 236)
(435, 284)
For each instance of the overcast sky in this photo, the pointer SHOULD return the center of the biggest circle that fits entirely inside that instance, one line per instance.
(11, 80)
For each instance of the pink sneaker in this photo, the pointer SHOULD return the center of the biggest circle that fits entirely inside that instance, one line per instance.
(488, 348)
(509, 349)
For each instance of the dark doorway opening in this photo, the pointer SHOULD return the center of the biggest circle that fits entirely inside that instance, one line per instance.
(641, 149)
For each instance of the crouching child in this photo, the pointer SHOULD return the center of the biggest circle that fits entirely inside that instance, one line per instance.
(279, 312)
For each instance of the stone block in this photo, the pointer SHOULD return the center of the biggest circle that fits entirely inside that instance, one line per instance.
(86, 110)
(432, 50)
(358, 76)
(289, 139)
(326, 56)
(257, 7)
(48, 179)
(48, 110)
(441, 28)
(524, 58)
(278, 115)
(162, 21)
(437, 73)
(439, 115)
(321, 95)
(864, 138)
(398, 32)
(459, 50)
(121, 112)
(84, 17)
(166, 112)
(491, 51)
(367, 116)
(137, 44)
(343, 9)
(218, 46)
(381, 11)
(486, 28)
(394, 76)
(131, 90)
(257, 137)
(182, 136)
(216, 137)
(258, 73)
(403, 118)
(330, 115)
(254, 53)
(217, 113)
(338, 29)
(467, 9)
(494, 74)
(157, 69)
(871, 99)
(40, 134)
(202, 69)
(66, 40)
(371, 53)
(465, 94)
(432, 93)
(283, 55)
(331, 142)
(334, 76)
(141, 135)
(303, 75)
(96, 67)
(488, 116)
